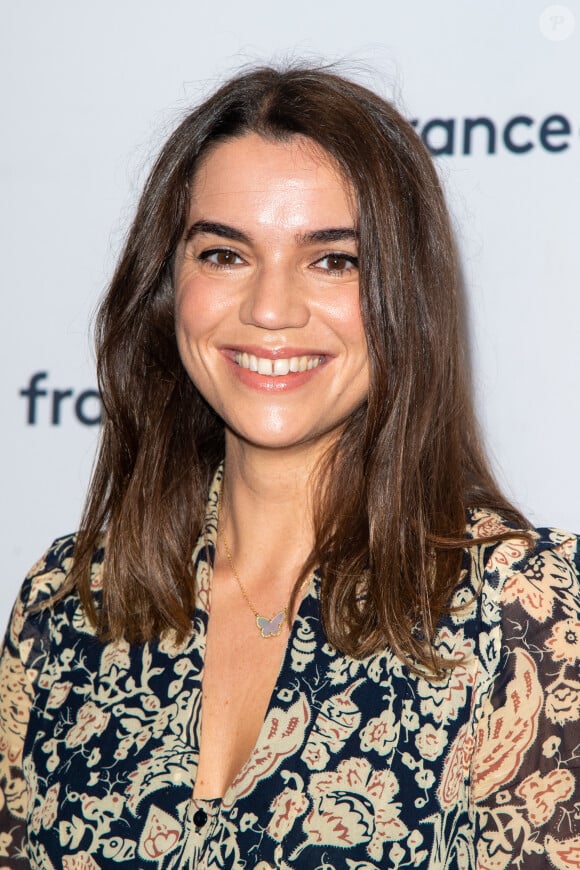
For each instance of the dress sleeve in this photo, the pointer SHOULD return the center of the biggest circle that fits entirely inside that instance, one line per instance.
(16, 697)
(526, 765)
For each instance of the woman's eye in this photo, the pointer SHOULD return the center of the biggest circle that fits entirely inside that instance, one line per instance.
(221, 258)
(338, 263)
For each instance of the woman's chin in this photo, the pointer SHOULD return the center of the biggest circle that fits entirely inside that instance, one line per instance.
(283, 440)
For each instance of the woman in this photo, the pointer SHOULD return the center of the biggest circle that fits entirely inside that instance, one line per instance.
(386, 651)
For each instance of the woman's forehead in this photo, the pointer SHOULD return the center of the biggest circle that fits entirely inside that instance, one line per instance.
(290, 181)
(253, 153)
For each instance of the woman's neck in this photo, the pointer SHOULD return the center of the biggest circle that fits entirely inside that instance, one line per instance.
(267, 510)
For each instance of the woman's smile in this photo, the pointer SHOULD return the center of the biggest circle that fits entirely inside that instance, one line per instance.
(274, 368)
(273, 371)
(268, 315)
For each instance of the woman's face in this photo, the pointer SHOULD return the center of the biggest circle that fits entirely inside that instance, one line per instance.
(268, 318)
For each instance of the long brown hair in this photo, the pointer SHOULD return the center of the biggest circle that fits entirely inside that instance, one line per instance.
(394, 491)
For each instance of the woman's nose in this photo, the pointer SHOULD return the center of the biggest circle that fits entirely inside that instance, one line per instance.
(275, 299)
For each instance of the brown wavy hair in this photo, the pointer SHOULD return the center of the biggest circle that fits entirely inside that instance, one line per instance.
(393, 492)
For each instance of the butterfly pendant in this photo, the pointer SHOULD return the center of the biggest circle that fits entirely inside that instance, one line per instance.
(271, 627)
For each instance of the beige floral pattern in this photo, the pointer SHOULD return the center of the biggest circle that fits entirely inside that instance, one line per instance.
(285, 808)
(542, 794)
(380, 734)
(431, 741)
(354, 805)
(504, 736)
(563, 701)
(359, 765)
(563, 854)
(456, 769)
(564, 642)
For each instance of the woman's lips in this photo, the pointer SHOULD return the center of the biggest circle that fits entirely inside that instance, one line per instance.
(271, 369)
(278, 367)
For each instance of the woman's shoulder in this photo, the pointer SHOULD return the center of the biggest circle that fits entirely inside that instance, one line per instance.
(503, 549)
(47, 576)
(47, 579)
(536, 570)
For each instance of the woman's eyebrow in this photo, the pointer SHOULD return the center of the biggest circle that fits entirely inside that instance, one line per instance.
(217, 229)
(224, 231)
(330, 234)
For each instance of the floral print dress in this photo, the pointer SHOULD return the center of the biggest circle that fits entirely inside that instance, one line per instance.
(359, 764)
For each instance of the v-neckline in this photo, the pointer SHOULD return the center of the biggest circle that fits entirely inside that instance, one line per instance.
(204, 574)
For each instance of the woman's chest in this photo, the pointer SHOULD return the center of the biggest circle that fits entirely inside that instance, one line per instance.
(240, 669)
(351, 756)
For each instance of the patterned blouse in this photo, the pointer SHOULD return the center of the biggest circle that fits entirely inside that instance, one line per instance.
(358, 765)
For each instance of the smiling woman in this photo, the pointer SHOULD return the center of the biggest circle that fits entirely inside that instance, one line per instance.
(300, 626)
(268, 318)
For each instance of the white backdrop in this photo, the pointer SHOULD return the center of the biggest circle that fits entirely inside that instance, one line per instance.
(90, 90)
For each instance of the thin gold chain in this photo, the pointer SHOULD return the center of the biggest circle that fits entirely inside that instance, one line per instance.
(221, 533)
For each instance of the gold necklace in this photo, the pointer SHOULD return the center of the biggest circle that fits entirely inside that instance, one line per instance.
(267, 627)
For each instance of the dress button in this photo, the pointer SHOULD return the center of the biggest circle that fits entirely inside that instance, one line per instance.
(199, 818)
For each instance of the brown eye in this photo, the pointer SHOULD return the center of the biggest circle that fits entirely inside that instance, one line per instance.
(337, 263)
(221, 258)
(224, 258)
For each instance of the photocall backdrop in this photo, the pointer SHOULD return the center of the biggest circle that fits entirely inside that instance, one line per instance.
(89, 91)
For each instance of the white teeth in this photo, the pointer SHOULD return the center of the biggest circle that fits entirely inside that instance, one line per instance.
(277, 367)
